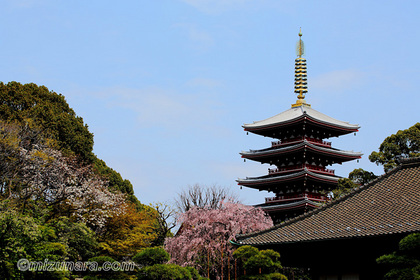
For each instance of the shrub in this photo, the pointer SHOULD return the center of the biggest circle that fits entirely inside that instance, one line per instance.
(151, 256)
(164, 272)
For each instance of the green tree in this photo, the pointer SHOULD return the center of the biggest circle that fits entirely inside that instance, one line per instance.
(153, 262)
(405, 263)
(405, 143)
(361, 177)
(127, 231)
(18, 234)
(116, 182)
(97, 273)
(80, 240)
(49, 111)
(264, 264)
(151, 256)
(356, 178)
(25, 237)
(164, 272)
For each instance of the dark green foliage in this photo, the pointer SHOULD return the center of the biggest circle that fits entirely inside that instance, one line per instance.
(29, 237)
(164, 272)
(102, 259)
(18, 235)
(405, 143)
(264, 264)
(49, 111)
(276, 276)
(273, 255)
(153, 263)
(34, 119)
(405, 263)
(271, 276)
(362, 177)
(116, 182)
(194, 273)
(36, 106)
(345, 185)
(98, 271)
(410, 245)
(80, 239)
(243, 253)
(356, 177)
(151, 256)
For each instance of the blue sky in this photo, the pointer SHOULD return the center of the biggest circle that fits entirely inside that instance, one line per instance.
(165, 85)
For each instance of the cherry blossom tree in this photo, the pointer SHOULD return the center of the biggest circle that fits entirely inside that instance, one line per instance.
(203, 240)
(62, 181)
(31, 169)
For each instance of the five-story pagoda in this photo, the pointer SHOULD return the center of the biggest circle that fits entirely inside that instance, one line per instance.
(299, 179)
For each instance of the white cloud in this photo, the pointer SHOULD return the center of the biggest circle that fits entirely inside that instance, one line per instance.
(337, 81)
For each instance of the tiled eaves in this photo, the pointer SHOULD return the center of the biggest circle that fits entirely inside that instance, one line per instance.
(326, 230)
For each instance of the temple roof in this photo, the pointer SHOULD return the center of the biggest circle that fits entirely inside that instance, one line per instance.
(388, 205)
(304, 145)
(253, 182)
(296, 114)
(306, 202)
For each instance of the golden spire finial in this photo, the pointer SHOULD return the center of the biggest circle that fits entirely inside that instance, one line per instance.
(300, 73)
(300, 47)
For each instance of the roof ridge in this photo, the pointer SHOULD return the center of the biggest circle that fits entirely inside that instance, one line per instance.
(404, 163)
(409, 161)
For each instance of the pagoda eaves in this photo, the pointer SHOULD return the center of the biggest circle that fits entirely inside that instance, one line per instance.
(271, 155)
(300, 179)
(268, 182)
(272, 126)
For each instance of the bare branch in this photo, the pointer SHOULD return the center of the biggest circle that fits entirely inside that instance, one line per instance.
(204, 197)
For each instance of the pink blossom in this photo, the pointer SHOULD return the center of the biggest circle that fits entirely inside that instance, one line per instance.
(203, 239)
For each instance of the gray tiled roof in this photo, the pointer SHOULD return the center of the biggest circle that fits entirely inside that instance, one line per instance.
(290, 177)
(298, 112)
(388, 205)
(304, 144)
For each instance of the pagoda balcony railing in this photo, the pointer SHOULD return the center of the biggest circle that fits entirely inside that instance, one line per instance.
(298, 139)
(301, 196)
(302, 166)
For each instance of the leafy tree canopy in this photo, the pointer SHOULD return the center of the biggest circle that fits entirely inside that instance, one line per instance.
(405, 263)
(58, 201)
(264, 264)
(151, 256)
(356, 178)
(48, 113)
(361, 177)
(165, 272)
(405, 143)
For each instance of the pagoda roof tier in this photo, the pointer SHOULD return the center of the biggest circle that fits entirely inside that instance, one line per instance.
(273, 183)
(278, 155)
(303, 203)
(389, 205)
(277, 125)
